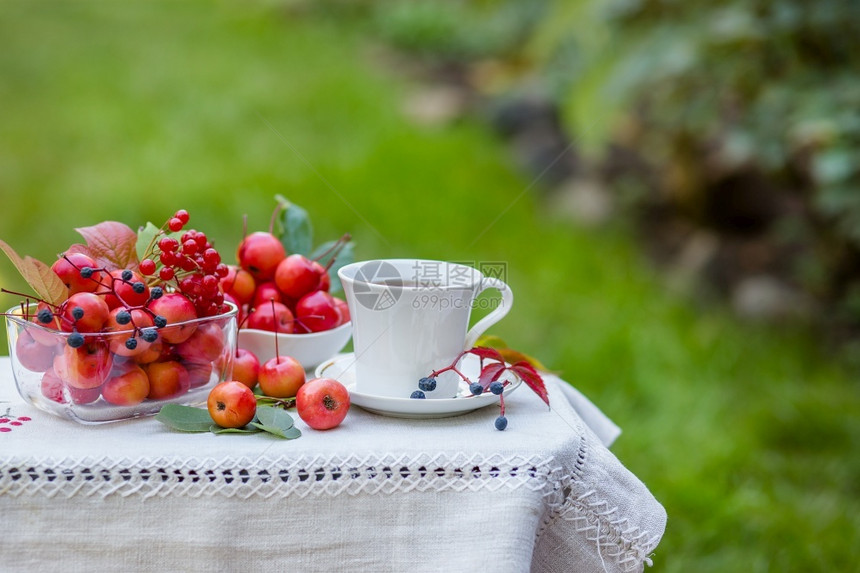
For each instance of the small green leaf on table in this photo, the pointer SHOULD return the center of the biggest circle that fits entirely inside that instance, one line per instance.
(216, 429)
(276, 422)
(185, 418)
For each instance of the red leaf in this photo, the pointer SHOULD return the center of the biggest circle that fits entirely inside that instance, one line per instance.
(111, 244)
(491, 373)
(487, 352)
(532, 379)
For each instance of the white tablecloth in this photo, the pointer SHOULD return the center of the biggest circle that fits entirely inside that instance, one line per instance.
(374, 494)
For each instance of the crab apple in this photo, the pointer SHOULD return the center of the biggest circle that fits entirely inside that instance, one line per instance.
(322, 403)
(231, 404)
(273, 316)
(177, 309)
(87, 366)
(166, 379)
(52, 387)
(317, 311)
(296, 276)
(46, 333)
(204, 345)
(199, 373)
(260, 254)
(138, 319)
(342, 310)
(239, 283)
(85, 312)
(281, 377)
(325, 279)
(151, 353)
(131, 292)
(31, 354)
(68, 268)
(266, 292)
(240, 308)
(127, 387)
(84, 395)
(246, 367)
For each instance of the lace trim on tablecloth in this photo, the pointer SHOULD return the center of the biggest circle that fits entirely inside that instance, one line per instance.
(332, 475)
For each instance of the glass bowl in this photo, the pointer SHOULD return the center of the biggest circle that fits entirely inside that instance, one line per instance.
(310, 349)
(103, 380)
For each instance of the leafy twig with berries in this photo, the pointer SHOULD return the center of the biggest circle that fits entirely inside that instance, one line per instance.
(491, 378)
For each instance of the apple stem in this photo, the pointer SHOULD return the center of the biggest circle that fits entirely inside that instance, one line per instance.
(278, 208)
(334, 250)
(277, 348)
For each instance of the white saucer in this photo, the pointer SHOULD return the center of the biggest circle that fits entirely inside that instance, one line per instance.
(342, 369)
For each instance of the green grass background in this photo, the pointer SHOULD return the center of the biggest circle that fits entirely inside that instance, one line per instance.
(128, 111)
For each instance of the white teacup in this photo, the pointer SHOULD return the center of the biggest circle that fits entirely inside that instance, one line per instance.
(410, 317)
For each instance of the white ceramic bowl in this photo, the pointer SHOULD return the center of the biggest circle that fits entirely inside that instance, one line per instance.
(310, 349)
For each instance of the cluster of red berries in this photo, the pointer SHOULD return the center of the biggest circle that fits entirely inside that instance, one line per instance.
(190, 263)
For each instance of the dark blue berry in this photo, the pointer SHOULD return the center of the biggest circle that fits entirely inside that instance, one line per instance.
(127, 275)
(427, 384)
(418, 395)
(476, 389)
(156, 292)
(497, 388)
(131, 343)
(149, 334)
(159, 321)
(76, 340)
(138, 287)
(123, 317)
(87, 272)
(501, 423)
(45, 316)
(78, 313)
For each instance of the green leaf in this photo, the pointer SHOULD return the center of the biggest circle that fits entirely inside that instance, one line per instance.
(184, 418)
(276, 422)
(277, 417)
(297, 233)
(216, 429)
(145, 237)
(344, 257)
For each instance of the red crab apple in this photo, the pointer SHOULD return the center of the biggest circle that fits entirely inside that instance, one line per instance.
(151, 354)
(68, 268)
(139, 319)
(266, 292)
(240, 284)
(31, 354)
(322, 403)
(281, 377)
(296, 276)
(325, 279)
(198, 373)
(166, 379)
(127, 387)
(125, 295)
(246, 368)
(176, 308)
(342, 310)
(204, 345)
(87, 366)
(92, 309)
(260, 254)
(52, 389)
(317, 312)
(231, 404)
(272, 316)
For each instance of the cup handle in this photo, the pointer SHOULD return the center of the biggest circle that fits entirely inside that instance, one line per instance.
(498, 314)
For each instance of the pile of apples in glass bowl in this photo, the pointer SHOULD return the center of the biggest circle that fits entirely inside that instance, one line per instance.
(122, 324)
